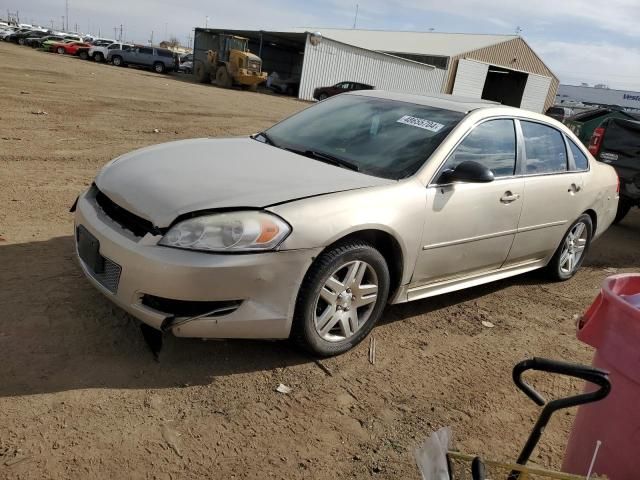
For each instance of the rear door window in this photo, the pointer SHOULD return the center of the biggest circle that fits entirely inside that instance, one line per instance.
(492, 144)
(545, 149)
(145, 50)
(579, 158)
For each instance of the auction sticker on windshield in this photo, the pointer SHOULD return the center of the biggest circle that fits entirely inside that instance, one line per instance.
(421, 123)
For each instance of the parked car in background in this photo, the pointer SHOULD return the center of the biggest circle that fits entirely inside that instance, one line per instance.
(617, 142)
(69, 48)
(159, 59)
(287, 86)
(4, 33)
(323, 93)
(559, 113)
(583, 124)
(365, 199)
(36, 42)
(99, 53)
(13, 36)
(21, 39)
(50, 45)
(85, 52)
(186, 66)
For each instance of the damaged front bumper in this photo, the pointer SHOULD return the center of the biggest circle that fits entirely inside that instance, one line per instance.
(192, 294)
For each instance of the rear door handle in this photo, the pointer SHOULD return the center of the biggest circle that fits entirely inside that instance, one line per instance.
(509, 197)
(574, 188)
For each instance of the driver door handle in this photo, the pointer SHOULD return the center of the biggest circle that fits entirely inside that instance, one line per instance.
(509, 197)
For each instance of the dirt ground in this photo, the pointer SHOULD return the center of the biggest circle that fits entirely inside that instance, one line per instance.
(82, 397)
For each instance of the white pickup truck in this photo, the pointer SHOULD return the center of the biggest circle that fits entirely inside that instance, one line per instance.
(99, 54)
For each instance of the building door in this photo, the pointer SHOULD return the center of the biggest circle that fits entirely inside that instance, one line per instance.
(470, 78)
(535, 93)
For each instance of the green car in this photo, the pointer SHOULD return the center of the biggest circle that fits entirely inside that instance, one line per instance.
(583, 124)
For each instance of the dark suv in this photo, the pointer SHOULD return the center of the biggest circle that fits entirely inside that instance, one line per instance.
(325, 92)
(159, 59)
(617, 142)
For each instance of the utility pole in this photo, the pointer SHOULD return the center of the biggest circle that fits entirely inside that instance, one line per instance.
(151, 41)
(66, 13)
(76, 28)
(355, 20)
(165, 31)
(62, 27)
(120, 38)
(206, 21)
(51, 23)
(115, 34)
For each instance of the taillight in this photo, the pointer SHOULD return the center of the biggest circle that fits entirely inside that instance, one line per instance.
(596, 141)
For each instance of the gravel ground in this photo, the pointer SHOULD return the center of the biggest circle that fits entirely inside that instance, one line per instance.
(82, 397)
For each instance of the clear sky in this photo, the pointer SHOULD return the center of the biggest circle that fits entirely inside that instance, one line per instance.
(580, 40)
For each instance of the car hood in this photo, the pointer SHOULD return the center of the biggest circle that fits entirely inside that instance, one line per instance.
(162, 182)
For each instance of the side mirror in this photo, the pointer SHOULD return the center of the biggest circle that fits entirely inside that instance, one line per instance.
(467, 172)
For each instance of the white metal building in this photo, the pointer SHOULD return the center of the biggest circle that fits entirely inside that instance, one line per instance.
(501, 68)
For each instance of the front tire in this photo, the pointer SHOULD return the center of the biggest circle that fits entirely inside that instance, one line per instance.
(117, 61)
(572, 250)
(341, 298)
(61, 50)
(83, 55)
(223, 79)
(98, 57)
(158, 67)
(322, 96)
(201, 73)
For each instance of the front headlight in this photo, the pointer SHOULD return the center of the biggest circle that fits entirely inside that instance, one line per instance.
(228, 232)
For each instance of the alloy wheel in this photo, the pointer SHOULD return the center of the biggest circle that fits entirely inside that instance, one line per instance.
(573, 248)
(346, 301)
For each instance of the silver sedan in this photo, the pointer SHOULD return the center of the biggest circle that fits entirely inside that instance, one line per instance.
(308, 229)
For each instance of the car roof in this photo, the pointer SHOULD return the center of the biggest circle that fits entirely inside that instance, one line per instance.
(438, 100)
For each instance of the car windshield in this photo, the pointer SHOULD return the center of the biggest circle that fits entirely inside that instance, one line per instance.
(381, 137)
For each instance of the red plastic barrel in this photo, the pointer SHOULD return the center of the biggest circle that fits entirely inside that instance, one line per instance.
(612, 326)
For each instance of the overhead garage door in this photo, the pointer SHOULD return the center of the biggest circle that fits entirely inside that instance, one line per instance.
(470, 78)
(535, 92)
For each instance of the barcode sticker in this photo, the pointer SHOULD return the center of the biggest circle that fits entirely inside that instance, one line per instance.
(421, 123)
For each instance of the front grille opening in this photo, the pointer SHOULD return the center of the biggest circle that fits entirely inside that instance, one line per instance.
(190, 308)
(130, 221)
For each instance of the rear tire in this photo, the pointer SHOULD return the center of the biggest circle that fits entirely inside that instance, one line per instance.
(223, 79)
(83, 55)
(158, 67)
(21, 41)
(623, 208)
(333, 314)
(98, 57)
(322, 96)
(60, 50)
(117, 61)
(572, 250)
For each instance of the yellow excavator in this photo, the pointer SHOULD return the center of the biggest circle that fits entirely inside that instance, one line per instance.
(230, 63)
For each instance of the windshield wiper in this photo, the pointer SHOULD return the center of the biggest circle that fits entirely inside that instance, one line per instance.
(326, 158)
(266, 137)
